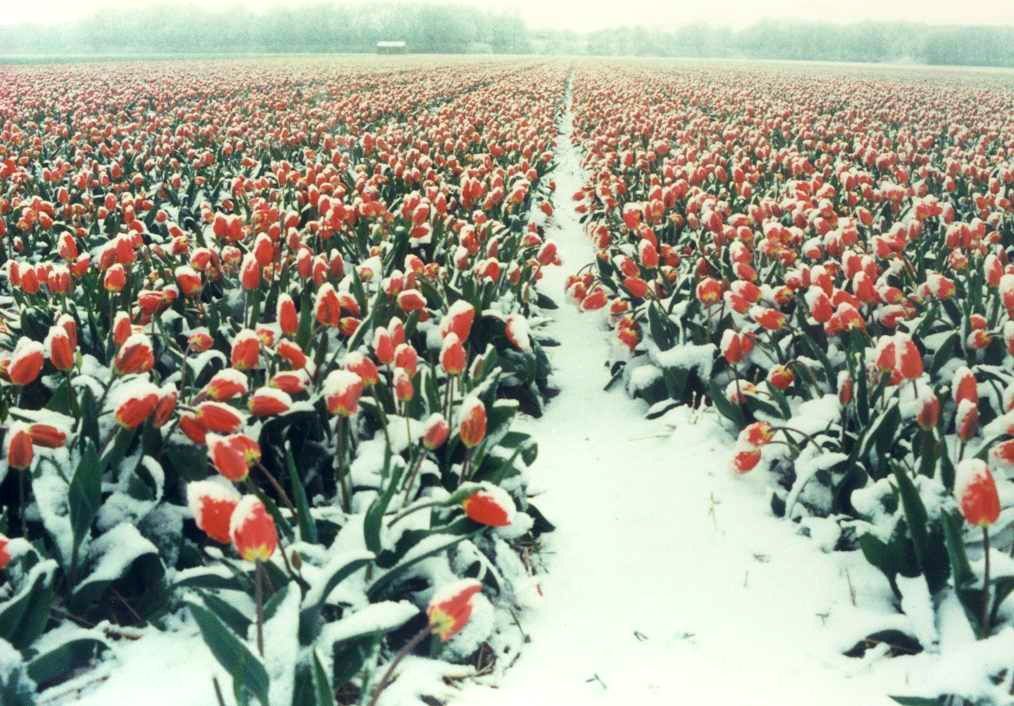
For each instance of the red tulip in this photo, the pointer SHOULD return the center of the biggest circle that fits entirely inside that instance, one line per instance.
(411, 300)
(5, 555)
(492, 507)
(757, 434)
(26, 362)
(435, 431)
(327, 308)
(252, 530)
(405, 357)
(964, 386)
(472, 422)
(246, 349)
(290, 381)
(19, 448)
(458, 320)
(200, 341)
(636, 287)
(219, 418)
(115, 278)
(781, 377)
(285, 313)
(189, 280)
(596, 299)
(709, 291)
(225, 385)
(975, 491)
(735, 346)
(59, 348)
(166, 405)
(122, 328)
(451, 607)
(268, 402)
(769, 319)
(909, 360)
(403, 388)
(363, 367)
(47, 435)
(193, 427)
(140, 400)
(383, 345)
(1004, 453)
(341, 391)
(233, 455)
(452, 355)
(250, 272)
(212, 505)
(135, 355)
(745, 458)
(966, 420)
(516, 330)
(69, 325)
(928, 415)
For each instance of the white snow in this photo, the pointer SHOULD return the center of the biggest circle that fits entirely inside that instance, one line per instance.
(669, 580)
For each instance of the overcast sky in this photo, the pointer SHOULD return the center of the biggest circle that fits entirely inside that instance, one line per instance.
(583, 15)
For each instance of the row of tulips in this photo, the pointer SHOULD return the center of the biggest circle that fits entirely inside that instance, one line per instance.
(826, 263)
(264, 329)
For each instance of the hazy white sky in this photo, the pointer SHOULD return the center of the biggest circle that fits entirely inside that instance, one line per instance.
(583, 15)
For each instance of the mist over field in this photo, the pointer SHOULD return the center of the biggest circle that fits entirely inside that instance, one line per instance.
(492, 29)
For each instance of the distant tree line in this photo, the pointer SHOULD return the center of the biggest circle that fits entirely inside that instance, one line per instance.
(428, 28)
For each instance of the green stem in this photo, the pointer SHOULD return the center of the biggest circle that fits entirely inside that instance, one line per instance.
(414, 509)
(259, 599)
(985, 585)
(402, 653)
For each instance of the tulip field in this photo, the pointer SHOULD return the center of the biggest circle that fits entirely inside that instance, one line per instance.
(332, 381)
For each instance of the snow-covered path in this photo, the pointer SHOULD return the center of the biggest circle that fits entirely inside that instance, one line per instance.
(668, 578)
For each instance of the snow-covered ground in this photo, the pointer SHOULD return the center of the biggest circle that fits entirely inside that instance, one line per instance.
(669, 579)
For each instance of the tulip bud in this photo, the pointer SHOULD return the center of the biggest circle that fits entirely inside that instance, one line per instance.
(472, 422)
(269, 402)
(451, 607)
(219, 417)
(19, 448)
(341, 391)
(252, 530)
(59, 348)
(212, 505)
(288, 318)
(135, 355)
(26, 362)
(491, 506)
(517, 332)
(975, 491)
(458, 320)
(452, 355)
(246, 348)
(435, 431)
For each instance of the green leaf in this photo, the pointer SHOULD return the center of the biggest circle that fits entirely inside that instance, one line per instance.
(307, 525)
(16, 686)
(227, 613)
(334, 572)
(311, 687)
(59, 662)
(23, 618)
(927, 552)
(728, 410)
(916, 700)
(246, 670)
(84, 495)
(374, 520)
(380, 587)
